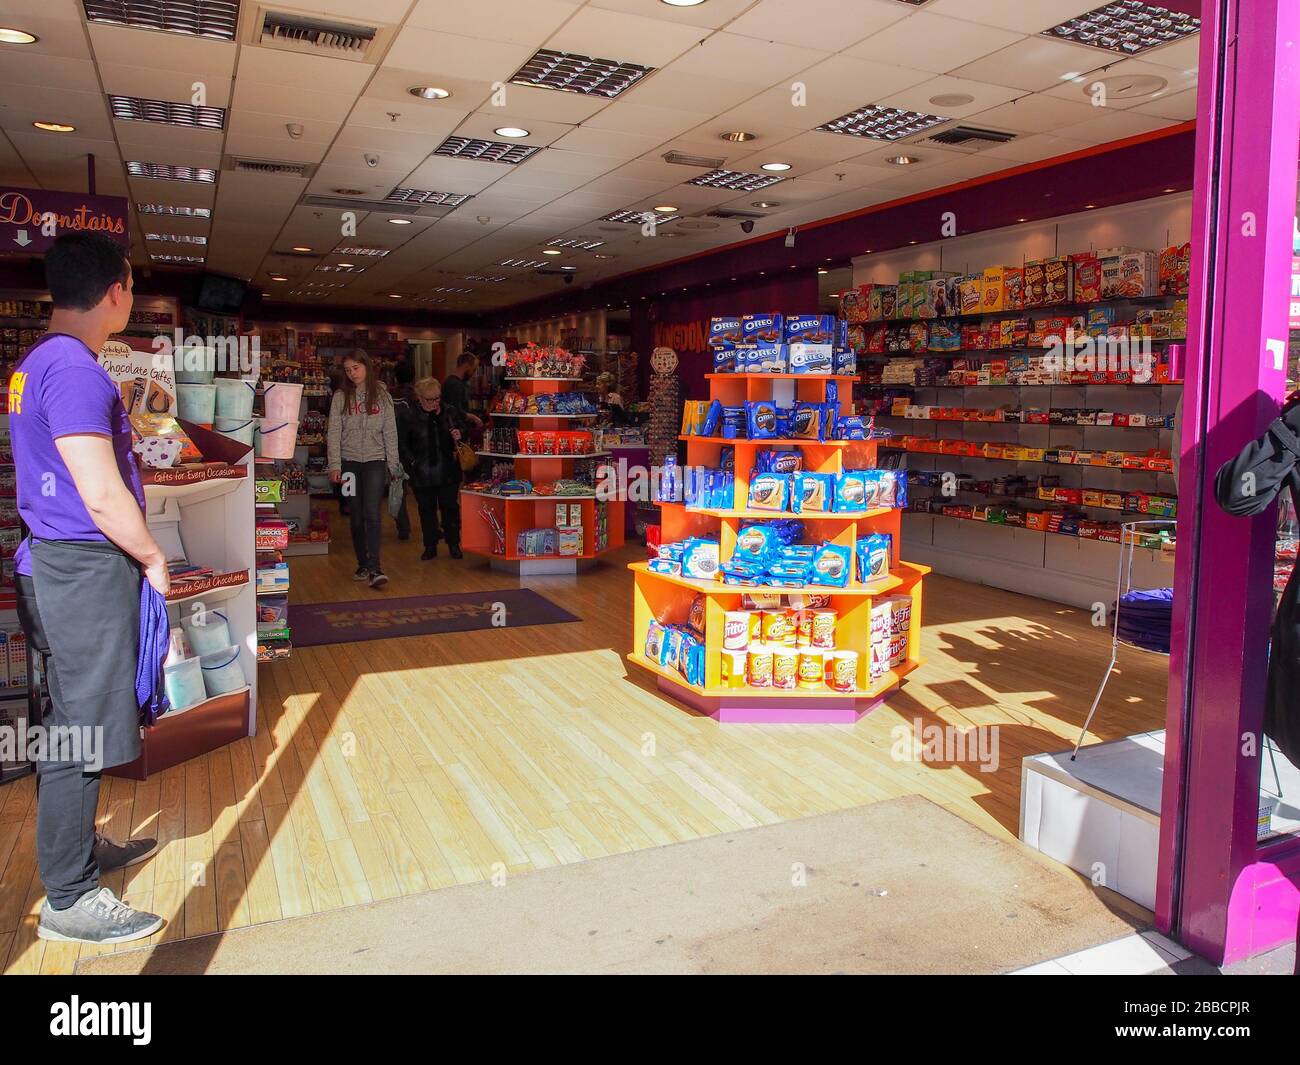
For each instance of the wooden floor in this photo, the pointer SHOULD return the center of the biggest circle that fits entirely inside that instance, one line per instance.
(398, 766)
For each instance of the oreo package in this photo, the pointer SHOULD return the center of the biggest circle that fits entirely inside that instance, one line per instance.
(755, 544)
(872, 553)
(814, 493)
(769, 491)
(808, 420)
(832, 565)
(761, 418)
(852, 492)
(778, 462)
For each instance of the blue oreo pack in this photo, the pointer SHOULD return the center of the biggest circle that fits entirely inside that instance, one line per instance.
(811, 358)
(724, 333)
(811, 329)
(762, 330)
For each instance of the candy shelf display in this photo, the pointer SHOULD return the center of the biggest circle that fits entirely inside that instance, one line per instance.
(537, 512)
(845, 609)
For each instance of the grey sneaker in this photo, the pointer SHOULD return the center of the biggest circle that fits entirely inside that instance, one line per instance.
(110, 855)
(97, 917)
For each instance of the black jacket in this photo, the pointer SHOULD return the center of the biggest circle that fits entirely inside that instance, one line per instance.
(424, 442)
(1246, 486)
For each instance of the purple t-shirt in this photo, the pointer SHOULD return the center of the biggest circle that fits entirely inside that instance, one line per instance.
(59, 389)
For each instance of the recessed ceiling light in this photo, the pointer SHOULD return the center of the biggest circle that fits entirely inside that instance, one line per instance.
(881, 123)
(820, 270)
(301, 248)
(902, 160)
(775, 167)
(394, 295)
(665, 208)
(1022, 219)
(952, 99)
(11, 36)
(350, 192)
(552, 251)
(345, 266)
(568, 268)
(588, 75)
(399, 221)
(489, 151)
(1128, 28)
(429, 92)
(513, 132)
(737, 136)
(682, 3)
(55, 127)
(765, 203)
(278, 277)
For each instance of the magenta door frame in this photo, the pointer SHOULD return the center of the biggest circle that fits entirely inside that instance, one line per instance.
(1217, 891)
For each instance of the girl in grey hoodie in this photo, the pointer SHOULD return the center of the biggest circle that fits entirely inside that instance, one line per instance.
(362, 449)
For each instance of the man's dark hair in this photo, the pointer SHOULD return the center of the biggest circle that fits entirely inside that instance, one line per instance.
(81, 267)
(404, 372)
(467, 358)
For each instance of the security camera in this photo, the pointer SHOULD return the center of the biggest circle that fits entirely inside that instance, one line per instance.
(747, 226)
(295, 129)
(372, 160)
(568, 279)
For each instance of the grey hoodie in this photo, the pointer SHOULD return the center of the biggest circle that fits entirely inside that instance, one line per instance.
(368, 434)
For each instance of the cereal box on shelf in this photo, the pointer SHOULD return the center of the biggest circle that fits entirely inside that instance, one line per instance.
(1127, 273)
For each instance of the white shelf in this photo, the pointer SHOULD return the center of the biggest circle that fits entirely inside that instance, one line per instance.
(200, 490)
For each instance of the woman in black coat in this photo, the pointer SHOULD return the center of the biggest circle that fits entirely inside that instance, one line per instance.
(427, 435)
(1246, 486)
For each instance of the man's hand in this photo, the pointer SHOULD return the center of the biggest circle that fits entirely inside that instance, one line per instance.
(455, 435)
(336, 476)
(157, 575)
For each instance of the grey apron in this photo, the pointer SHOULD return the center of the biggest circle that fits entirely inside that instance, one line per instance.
(88, 598)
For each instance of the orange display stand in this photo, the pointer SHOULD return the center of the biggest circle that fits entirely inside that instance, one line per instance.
(515, 514)
(667, 598)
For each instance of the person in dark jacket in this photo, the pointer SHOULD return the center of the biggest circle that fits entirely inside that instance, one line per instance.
(403, 397)
(1246, 486)
(427, 433)
(456, 387)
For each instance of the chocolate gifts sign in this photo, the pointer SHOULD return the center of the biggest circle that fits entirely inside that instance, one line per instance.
(31, 219)
(188, 588)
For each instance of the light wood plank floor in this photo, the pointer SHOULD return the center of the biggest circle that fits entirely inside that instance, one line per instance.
(392, 767)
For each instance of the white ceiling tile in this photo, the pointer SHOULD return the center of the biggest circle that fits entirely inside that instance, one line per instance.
(549, 105)
(398, 155)
(1113, 125)
(817, 147)
(631, 189)
(1182, 55)
(731, 57)
(1035, 63)
(450, 55)
(607, 142)
(242, 122)
(441, 174)
(513, 21)
(842, 84)
(392, 84)
(136, 138)
(1014, 14)
(1090, 87)
(1034, 148)
(713, 15)
(271, 66)
(202, 58)
(557, 161)
(24, 104)
(931, 42)
(918, 97)
(160, 84)
(57, 26)
(825, 24)
(1034, 113)
(31, 68)
(435, 122)
(176, 193)
(1180, 106)
(679, 90)
(295, 104)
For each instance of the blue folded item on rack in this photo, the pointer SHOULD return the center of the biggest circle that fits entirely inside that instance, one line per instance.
(1145, 618)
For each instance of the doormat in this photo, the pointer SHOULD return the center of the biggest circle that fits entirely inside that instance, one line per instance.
(901, 886)
(314, 624)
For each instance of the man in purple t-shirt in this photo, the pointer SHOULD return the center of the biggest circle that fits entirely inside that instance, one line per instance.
(78, 581)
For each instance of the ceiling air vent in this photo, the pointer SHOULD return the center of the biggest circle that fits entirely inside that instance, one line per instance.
(268, 167)
(294, 31)
(967, 138)
(700, 162)
(727, 212)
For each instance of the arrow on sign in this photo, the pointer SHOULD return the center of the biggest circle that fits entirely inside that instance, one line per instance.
(22, 240)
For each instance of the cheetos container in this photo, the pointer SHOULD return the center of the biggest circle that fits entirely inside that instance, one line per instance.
(734, 664)
(775, 624)
(844, 671)
(823, 629)
(812, 669)
(759, 668)
(803, 632)
(785, 668)
(755, 626)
